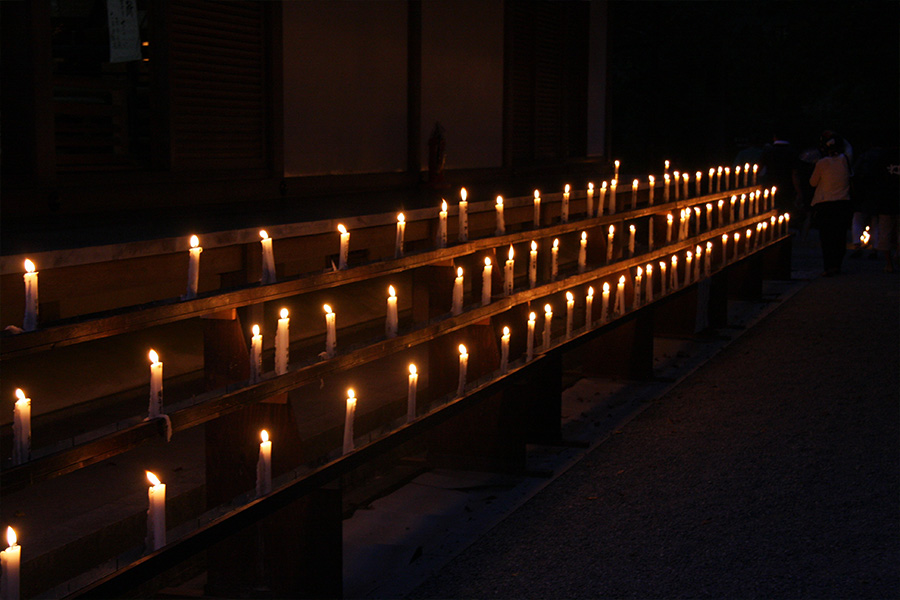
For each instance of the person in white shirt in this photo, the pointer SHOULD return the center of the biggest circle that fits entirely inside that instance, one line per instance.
(831, 205)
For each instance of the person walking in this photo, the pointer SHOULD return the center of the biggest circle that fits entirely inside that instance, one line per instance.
(831, 205)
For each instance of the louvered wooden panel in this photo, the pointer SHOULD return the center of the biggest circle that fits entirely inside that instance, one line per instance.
(218, 78)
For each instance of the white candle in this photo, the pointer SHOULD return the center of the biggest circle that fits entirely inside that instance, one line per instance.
(10, 564)
(401, 233)
(662, 277)
(442, 226)
(570, 313)
(697, 220)
(554, 260)
(532, 266)
(712, 173)
(21, 429)
(411, 394)
(631, 232)
(391, 321)
(748, 234)
(604, 303)
(666, 181)
(780, 224)
(741, 209)
(589, 307)
(698, 252)
(737, 176)
(755, 169)
(688, 265)
(193, 268)
(685, 177)
(724, 249)
(345, 247)
(616, 163)
(619, 308)
(501, 223)
(610, 239)
(709, 208)
(268, 258)
(719, 179)
(652, 181)
(676, 179)
(529, 341)
(612, 196)
(666, 167)
(463, 366)
(698, 176)
(675, 285)
(650, 232)
(727, 178)
(456, 307)
(463, 216)
(509, 274)
(649, 270)
(681, 224)
(746, 173)
(349, 416)
(774, 230)
(486, 282)
(582, 253)
(721, 204)
(634, 192)
(731, 214)
(330, 331)
(156, 513)
(765, 230)
(548, 320)
(31, 297)
(787, 222)
(772, 198)
(636, 301)
(707, 259)
(282, 341)
(564, 208)
(156, 385)
(737, 239)
(602, 201)
(537, 209)
(669, 220)
(590, 200)
(504, 351)
(264, 465)
(255, 355)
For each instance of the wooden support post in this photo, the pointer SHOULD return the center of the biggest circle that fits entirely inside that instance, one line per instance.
(624, 351)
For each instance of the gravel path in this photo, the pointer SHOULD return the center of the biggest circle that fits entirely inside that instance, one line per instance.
(773, 472)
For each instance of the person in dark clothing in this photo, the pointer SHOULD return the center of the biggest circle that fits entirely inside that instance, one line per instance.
(780, 162)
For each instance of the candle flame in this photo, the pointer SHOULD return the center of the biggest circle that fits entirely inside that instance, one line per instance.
(195, 241)
(666, 177)
(20, 394)
(556, 243)
(689, 254)
(616, 163)
(634, 184)
(570, 297)
(459, 271)
(463, 194)
(640, 272)
(412, 369)
(746, 166)
(401, 218)
(699, 175)
(674, 260)
(29, 266)
(622, 280)
(697, 210)
(584, 236)
(712, 171)
(721, 203)
(737, 237)
(685, 176)
(327, 309)
(725, 236)
(351, 395)
(651, 179)
(532, 317)
(606, 287)
(591, 187)
(719, 170)
(444, 206)
(709, 246)
(533, 246)
(341, 228)
(567, 188)
(11, 538)
(590, 291)
(755, 168)
(667, 164)
(391, 291)
(631, 229)
(603, 185)
(698, 250)
(500, 201)
(612, 229)
(264, 436)
(506, 331)
(747, 233)
(153, 479)
(284, 313)
(548, 309)
(462, 349)
(510, 252)
(669, 218)
(154, 357)
(709, 206)
(256, 330)
(487, 261)
(537, 195)
(649, 269)
(263, 234)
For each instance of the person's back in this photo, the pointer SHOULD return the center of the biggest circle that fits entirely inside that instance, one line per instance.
(831, 178)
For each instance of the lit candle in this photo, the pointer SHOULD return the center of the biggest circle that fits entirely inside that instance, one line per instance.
(666, 182)
(349, 416)
(724, 249)
(156, 385)
(741, 210)
(712, 173)
(765, 230)
(529, 341)
(537, 209)
(707, 258)
(255, 355)
(509, 274)
(612, 196)
(675, 285)
(604, 303)
(685, 177)
(457, 305)
(780, 224)
(649, 270)
(652, 182)
(737, 239)
(10, 563)
(772, 198)
(602, 201)
(330, 331)
(681, 219)
(411, 394)
(787, 222)
(554, 260)
(747, 234)
(282, 341)
(570, 313)
(268, 258)
(666, 167)
(548, 320)
(774, 230)
(31, 297)
(589, 307)
(264, 465)
(501, 223)
(636, 301)
(582, 253)
(442, 226)
(737, 176)
(731, 209)
(634, 191)
(755, 169)
(486, 282)
(721, 204)
(391, 322)
(698, 176)
(21, 429)
(669, 220)
(463, 215)
(401, 233)
(345, 246)
(662, 277)
(719, 179)
(727, 178)
(193, 268)
(697, 220)
(631, 232)
(616, 163)
(532, 266)
(156, 513)
(709, 208)
(463, 366)
(504, 351)
(676, 179)
(590, 200)
(610, 239)
(688, 266)
(650, 232)
(564, 208)
(698, 251)
(619, 308)
(746, 171)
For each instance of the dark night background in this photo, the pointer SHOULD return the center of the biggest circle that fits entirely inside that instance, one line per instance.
(689, 79)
